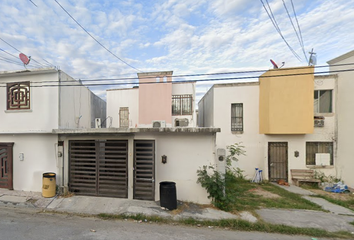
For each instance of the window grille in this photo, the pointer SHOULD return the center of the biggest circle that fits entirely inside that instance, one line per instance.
(237, 117)
(182, 105)
(18, 95)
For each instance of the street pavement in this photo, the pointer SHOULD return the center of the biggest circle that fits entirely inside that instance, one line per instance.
(30, 224)
(337, 219)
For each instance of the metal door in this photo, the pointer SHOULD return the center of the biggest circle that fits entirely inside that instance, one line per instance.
(99, 167)
(278, 161)
(144, 170)
(6, 165)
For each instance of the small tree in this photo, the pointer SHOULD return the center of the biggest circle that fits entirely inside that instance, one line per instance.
(215, 181)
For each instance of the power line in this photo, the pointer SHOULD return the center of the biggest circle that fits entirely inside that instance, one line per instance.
(95, 38)
(194, 75)
(20, 51)
(276, 26)
(297, 34)
(193, 80)
(298, 26)
(33, 3)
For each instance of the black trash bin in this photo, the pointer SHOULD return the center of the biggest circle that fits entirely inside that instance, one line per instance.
(168, 196)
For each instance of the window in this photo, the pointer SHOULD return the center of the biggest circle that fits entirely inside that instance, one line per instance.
(182, 105)
(318, 147)
(124, 117)
(18, 95)
(237, 117)
(323, 101)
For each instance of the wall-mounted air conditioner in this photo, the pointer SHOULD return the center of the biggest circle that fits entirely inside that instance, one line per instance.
(97, 122)
(322, 159)
(158, 123)
(319, 122)
(181, 122)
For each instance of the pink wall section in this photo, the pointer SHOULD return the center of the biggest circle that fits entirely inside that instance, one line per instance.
(155, 100)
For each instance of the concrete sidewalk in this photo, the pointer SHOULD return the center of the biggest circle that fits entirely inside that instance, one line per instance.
(338, 219)
(97, 205)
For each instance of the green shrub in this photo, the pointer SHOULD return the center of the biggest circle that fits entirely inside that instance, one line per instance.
(217, 183)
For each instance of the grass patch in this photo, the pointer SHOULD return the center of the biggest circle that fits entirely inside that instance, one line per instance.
(137, 217)
(246, 200)
(344, 203)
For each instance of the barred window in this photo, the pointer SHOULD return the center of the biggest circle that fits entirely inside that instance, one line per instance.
(318, 147)
(237, 117)
(18, 96)
(182, 105)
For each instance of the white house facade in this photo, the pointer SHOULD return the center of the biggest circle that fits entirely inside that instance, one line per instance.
(237, 109)
(33, 103)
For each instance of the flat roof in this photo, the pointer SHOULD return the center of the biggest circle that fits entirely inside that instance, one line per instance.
(28, 72)
(90, 131)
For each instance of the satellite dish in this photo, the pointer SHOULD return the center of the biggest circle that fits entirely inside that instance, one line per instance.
(275, 66)
(24, 58)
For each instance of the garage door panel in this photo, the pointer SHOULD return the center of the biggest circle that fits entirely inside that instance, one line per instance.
(99, 167)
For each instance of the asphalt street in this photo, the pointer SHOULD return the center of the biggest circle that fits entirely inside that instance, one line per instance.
(29, 223)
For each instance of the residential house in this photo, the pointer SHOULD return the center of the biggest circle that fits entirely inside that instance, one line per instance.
(152, 138)
(343, 67)
(166, 103)
(32, 104)
(285, 121)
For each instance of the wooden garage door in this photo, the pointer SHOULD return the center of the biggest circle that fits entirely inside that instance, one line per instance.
(99, 167)
(144, 169)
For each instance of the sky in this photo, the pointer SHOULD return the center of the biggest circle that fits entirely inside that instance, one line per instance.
(184, 36)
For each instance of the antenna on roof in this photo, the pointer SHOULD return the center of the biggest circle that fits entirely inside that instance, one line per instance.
(24, 59)
(313, 58)
(275, 66)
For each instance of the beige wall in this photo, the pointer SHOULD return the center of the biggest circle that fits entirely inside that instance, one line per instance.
(43, 115)
(186, 153)
(117, 98)
(345, 115)
(286, 102)
(40, 156)
(155, 98)
(221, 96)
(75, 104)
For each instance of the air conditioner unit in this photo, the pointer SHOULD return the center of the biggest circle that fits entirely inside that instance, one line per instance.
(322, 159)
(97, 122)
(158, 123)
(181, 122)
(319, 123)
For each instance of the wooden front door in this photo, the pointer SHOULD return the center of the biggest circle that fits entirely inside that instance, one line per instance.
(144, 170)
(6, 180)
(278, 161)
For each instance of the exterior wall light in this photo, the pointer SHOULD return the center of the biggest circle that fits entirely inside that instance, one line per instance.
(164, 159)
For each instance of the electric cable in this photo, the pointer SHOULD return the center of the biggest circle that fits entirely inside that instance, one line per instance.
(193, 75)
(276, 26)
(20, 51)
(193, 80)
(297, 34)
(95, 38)
(298, 25)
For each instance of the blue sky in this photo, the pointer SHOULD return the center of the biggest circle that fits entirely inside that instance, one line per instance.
(186, 36)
